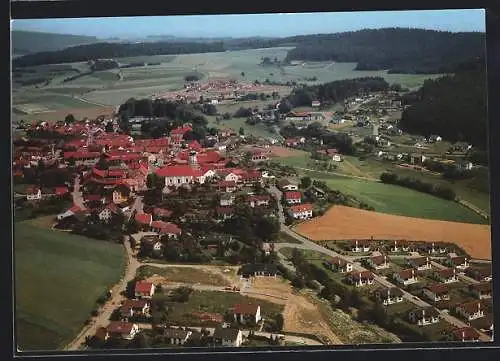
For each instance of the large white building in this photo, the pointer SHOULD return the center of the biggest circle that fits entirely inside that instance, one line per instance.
(181, 175)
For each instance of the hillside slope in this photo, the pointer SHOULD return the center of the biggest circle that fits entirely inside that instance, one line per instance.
(27, 42)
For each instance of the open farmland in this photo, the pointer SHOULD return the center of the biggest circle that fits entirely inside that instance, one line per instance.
(106, 88)
(58, 278)
(258, 130)
(341, 223)
(392, 199)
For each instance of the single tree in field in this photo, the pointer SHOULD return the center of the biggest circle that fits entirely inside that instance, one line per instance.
(241, 131)
(70, 118)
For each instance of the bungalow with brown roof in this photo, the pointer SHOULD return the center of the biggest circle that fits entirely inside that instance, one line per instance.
(337, 264)
(424, 316)
(131, 308)
(259, 200)
(378, 262)
(389, 296)
(481, 274)
(400, 246)
(420, 263)
(286, 186)
(144, 290)
(360, 278)
(244, 313)
(447, 275)
(406, 277)
(437, 292)
(460, 263)
(119, 329)
(470, 310)
(466, 334)
(358, 246)
(481, 290)
(224, 212)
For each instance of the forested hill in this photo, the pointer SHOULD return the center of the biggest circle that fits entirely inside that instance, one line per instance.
(115, 50)
(397, 50)
(27, 42)
(453, 107)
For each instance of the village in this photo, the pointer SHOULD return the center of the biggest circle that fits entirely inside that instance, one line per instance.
(174, 200)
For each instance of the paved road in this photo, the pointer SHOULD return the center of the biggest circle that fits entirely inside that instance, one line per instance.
(379, 279)
(339, 174)
(277, 194)
(77, 194)
(102, 320)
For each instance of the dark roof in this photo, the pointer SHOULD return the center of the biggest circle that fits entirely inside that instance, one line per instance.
(393, 291)
(226, 333)
(429, 311)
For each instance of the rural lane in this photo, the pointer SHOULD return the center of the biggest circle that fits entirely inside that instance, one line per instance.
(102, 320)
(338, 174)
(379, 279)
(77, 194)
(277, 194)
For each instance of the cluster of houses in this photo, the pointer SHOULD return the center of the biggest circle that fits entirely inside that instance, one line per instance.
(296, 208)
(137, 311)
(438, 289)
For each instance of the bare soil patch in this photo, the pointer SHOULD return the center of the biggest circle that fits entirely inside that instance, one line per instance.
(282, 152)
(300, 314)
(344, 223)
(204, 275)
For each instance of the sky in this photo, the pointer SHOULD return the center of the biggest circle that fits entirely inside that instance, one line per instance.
(272, 25)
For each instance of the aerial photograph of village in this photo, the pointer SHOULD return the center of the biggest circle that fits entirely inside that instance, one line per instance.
(246, 181)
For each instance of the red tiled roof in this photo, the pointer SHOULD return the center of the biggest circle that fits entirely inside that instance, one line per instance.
(293, 195)
(357, 275)
(166, 227)
(447, 272)
(92, 197)
(378, 260)
(227, 184)
(407, 273)
(439, 288)
(301, 208)
(245, 309)
(224, 210)
(143, 287)
(32, 190)
(120, 327)
(466, 333)
(144, 218)
(261, 198)
(181, 130)
(61, 190)
(179, 171)
(81, 155)
(209, 157)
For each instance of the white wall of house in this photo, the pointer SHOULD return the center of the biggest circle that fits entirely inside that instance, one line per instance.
(290, 187)
(293, 201)
(180, 181)
(302, 215)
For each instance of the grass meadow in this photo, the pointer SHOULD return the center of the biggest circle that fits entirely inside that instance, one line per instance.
(58, 278)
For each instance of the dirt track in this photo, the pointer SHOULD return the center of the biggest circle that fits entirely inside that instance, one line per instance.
(344, 223)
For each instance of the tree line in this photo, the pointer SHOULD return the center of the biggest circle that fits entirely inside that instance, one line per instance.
(453, 107)
(336, 91)
(114, 50)
(414, 51)
(437, 190)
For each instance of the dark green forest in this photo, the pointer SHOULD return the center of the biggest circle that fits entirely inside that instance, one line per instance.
(453, 107)
(397, 50)
(114, 50)
(336, 91)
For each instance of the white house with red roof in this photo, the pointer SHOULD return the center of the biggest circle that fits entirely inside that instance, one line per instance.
(171, 230)
(301, 211)
(33, 194)
(292, 197)
(406, 277)
(247, 312)
(259, 200)
(360, 278)
(119, 329)
(144, 290)
(227, 186)
(181, 175)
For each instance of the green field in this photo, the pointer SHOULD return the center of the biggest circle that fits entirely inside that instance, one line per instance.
(401, 201)
(58, 278)
(258, 130)
(169, 75)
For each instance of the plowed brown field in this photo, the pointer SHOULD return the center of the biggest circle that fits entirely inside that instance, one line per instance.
(344, 223)
(282, 152)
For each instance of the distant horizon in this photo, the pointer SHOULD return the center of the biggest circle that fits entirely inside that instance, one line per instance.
(257, 25)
